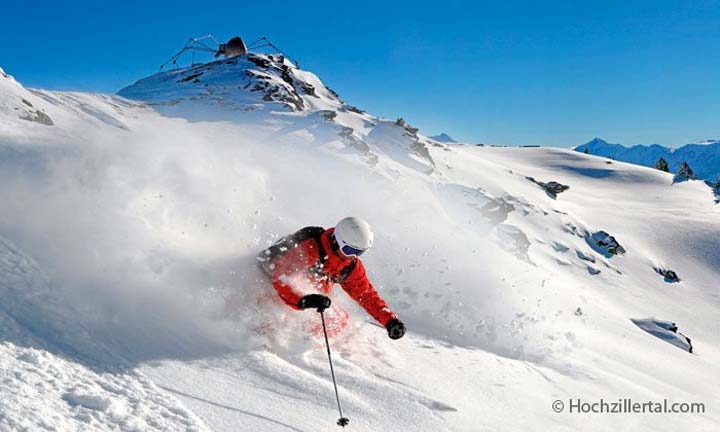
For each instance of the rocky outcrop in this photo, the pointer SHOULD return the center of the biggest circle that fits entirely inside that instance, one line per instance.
(35, 115)
(585, 257)
(665, 330)
(348, 135)
(669, 275)
(604, 243)
(402, 143)
(552, 188)
(240, 83)
(274, 91)
(15, 102)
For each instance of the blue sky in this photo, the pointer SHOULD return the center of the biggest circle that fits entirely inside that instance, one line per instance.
(524, 72)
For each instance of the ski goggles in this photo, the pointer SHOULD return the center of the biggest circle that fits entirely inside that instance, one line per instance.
(351, 251)
(346, 249)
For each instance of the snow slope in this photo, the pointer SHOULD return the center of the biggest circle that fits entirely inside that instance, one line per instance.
(703, 157)
(131, 300)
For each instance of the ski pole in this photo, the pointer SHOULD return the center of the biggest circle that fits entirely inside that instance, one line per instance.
(342, 421)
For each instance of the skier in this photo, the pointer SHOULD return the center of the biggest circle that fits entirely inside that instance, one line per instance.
(318, 258)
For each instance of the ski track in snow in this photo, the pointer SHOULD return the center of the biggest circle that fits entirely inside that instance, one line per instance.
(131, 301)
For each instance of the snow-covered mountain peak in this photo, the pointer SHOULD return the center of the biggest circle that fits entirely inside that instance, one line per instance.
(597, 140)
(26, 111)
(247, 83)
(17, 103)
(443, 138)
(266, 89)
(4, 76)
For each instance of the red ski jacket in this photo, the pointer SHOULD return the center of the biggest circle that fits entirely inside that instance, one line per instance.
(299, 271)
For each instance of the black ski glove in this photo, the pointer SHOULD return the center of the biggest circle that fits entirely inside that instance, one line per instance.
(314, 301)
(395, 328)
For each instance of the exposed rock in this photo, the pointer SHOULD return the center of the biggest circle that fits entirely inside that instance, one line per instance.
(36, 116)
(552, 188)
(354, 109)
(593, 271)
(604, 243)
(585, 257)
(669, 275)
(329, 115)
(578, 311)
(400, 122)
(348, 135)
(260, 61)
(574, 230)
(555, 187)
(665, 330)
(559, 247)
(403, 136)
(308, 89)
(412, 131)
(269, 76)
(333, 92)
(190, 77)
(421, 150)
(418, 145)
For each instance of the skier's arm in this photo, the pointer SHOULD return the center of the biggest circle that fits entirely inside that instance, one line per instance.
(284, 270)
(362, 291)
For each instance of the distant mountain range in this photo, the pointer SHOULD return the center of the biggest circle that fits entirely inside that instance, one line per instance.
(703, 157)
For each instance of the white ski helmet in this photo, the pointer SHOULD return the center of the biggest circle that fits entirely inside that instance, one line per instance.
(353, 235)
